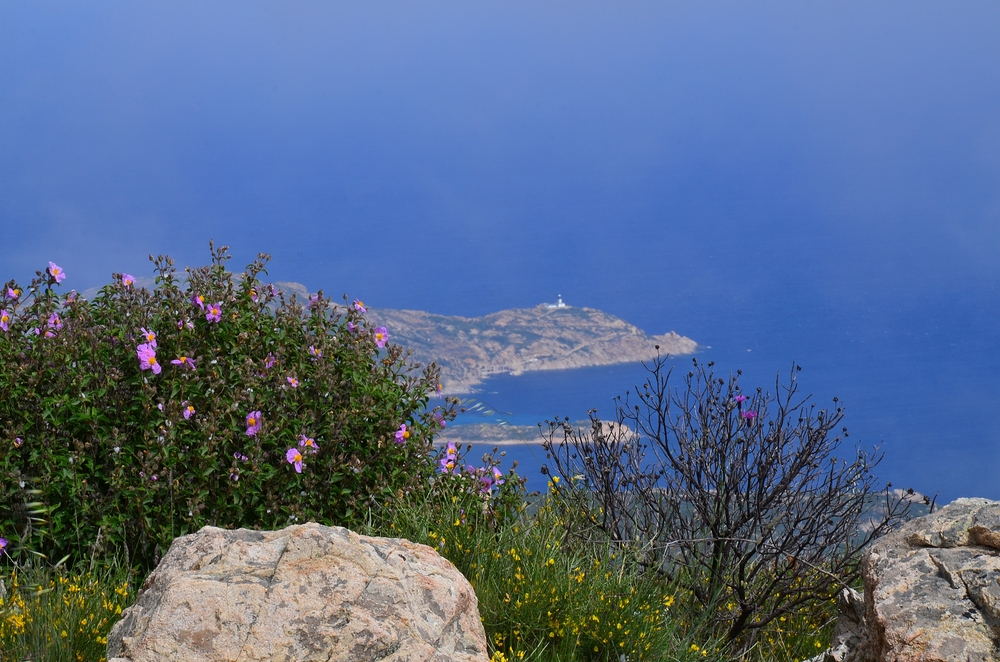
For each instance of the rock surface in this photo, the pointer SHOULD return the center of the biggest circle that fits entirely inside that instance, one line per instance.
(303, 593)
(932, 590)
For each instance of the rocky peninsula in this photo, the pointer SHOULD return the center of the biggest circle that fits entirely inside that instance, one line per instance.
(470, 349)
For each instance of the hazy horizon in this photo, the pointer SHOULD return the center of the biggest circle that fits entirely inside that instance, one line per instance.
(783, 182)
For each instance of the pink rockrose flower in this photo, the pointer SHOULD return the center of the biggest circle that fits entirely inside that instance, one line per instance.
(294, 458)
(188, 412)
(381, 336)
(54, 322)
(294, 383)
(740, 398)
(749, 415)
(3, 545)
(184, 362)
(57, 272)
(4, 320)
(147, 358)
(308, 443)
(149, 337)
(314, 302)
(253, 295)
(270, 361)
(352, 327)
(128, 280)
(402, 434)
(315, 353)
(214, 313)
(253, 423)
(359, 306)
(17, 442)
(198, 300)
(50, 334)
(12, 293)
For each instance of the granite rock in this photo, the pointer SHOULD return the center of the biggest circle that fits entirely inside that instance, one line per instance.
(932, 591)
(303, 593)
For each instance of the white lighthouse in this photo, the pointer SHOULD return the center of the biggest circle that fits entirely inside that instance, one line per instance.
(558, 304)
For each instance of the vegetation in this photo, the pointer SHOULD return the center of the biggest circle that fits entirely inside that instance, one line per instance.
(143, 415)
(742, 496)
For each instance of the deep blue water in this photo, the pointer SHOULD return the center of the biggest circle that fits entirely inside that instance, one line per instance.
(917, 382)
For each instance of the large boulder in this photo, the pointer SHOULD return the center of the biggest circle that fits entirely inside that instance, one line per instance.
(303, 593)
(932, 591)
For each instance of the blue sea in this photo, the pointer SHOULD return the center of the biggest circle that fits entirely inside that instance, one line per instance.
(918, 382)
(780, 181)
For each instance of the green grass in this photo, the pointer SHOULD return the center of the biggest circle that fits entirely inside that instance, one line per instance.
(50, 614)
(542, 596)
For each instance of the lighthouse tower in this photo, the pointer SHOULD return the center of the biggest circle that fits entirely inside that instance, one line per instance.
(558, 304)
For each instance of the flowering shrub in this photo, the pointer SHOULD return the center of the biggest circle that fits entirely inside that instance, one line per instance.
(144, 415)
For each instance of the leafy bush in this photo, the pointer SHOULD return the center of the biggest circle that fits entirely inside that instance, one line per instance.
(741, 496)
(143, 415)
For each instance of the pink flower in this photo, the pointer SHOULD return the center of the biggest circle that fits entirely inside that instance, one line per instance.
(359, 306)
(240, 456)
(188, 412)
(314, 302)
(198, 300)
(294, 457)
(308, 442)
(270, 361)
(147, 358)
(740, 398)
(4, 319)
(214, 313)
(291, 380)
(253, 295)
(50, 334)
(448, 462)
(57, 272)
(150, 337)
(748, 415)
(381, 336)
(54, 322)
(12, 293)
(402, 434)
(184, 361)
(128, 280)
(17, 442)
(315, 353)
(3, 545)
(497, 476)
(352, 327)
(253, 423)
